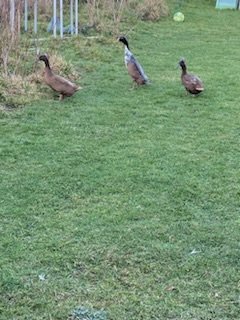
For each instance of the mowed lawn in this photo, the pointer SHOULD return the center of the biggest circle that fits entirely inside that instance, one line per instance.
(123, 200)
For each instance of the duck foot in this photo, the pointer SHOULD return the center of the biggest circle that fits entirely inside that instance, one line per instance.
(61, 97)
(134, 86)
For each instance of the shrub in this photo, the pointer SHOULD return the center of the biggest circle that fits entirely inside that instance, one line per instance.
(106, 15)
(23, 81)
(152, 9)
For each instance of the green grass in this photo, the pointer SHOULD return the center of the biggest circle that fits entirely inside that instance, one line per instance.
(128, 200)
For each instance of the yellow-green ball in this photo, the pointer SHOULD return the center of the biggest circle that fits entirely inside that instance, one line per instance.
(178, 16)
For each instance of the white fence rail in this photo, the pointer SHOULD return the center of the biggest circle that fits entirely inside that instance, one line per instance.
(57, 21)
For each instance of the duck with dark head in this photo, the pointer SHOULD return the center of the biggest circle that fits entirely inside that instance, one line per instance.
(191, 82)
(134, 68)
(63, 86)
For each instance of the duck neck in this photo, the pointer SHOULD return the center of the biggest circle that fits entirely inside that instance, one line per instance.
(47, 65)
(126, 49)
(184, 69)
(48, 70)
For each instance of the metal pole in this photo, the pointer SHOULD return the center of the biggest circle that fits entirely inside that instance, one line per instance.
(71, 16)
(35, 15)
(54, 18)
(26, 15)
(61, 18)
(76, 16)
(12, 15)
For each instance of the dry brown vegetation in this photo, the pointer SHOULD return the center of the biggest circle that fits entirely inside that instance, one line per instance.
(152, 9)
(9, 33)
(26, 84)
(106, 15)
(20, 75)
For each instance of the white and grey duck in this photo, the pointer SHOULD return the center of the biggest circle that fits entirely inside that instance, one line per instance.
(134, 68)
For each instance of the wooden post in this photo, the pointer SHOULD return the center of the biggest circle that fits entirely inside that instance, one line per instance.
(44, 4)
(18, 14)
(71, 16)
(35, 15)
(61, 17)
(76, 16)
(12, 15)
(25, 15)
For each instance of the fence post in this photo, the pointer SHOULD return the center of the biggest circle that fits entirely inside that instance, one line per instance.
(35, 15)
(54, 18)
(74, 7)
(25, 15)
(71, 16)
(12, 15)
(61, 17)
(76, 16)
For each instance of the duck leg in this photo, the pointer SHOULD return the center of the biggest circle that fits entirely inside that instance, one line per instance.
(134, 85)
(61, 97)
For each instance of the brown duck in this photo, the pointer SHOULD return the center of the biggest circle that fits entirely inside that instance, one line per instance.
(191, 82)
(59, 84)
(134, 68)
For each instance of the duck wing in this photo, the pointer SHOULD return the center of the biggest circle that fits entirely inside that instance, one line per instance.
(134, 68)
(60, 84)
(192, 83)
